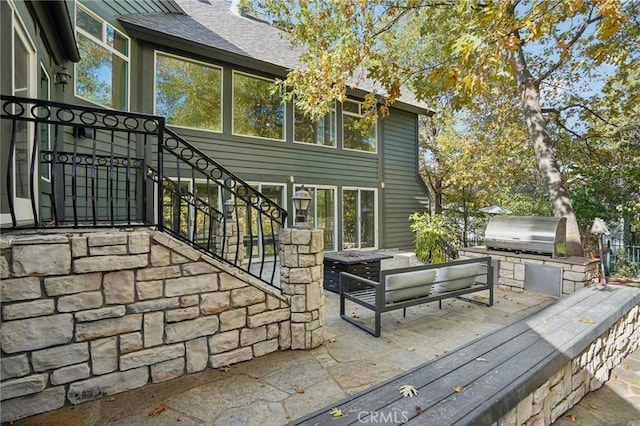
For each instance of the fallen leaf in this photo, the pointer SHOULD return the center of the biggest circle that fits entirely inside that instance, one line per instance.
(300, 389)
(593, 407)
(111, 399)
(571, 416)
(159, 409)
(479, 297)
(411, 349)
(457, 389)
(480, 359)
(355, 316)
(408, 391)
(153, 395)
(336, 412)
(586, 320)
(225, 369)
(418, 409)
(331, 340)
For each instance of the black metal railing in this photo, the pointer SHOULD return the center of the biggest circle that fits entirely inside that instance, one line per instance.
(78, 166)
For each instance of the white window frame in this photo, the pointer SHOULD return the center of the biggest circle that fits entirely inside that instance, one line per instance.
(186, 59)
(359, 115)
(22, 206)
(315, 212)
(376, 217)
(104, 45)
(49, 133)
(333, 109)
(233, 97)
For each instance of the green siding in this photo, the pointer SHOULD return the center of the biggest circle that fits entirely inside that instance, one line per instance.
(403, 193)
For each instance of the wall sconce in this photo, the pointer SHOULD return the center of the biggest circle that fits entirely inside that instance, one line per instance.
(62, 77)
(381, 185)
(301, 201)
(292, 179)
(229, 207)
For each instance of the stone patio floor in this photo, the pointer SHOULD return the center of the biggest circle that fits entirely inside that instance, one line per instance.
(282, 386)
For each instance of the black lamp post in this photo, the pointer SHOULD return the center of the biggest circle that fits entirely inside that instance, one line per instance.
(301, 201)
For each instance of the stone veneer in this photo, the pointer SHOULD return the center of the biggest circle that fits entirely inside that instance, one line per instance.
(577, 272)
(86, 315)
(585, 373)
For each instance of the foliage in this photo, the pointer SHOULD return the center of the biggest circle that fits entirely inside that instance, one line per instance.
(458, 50)
(431, 235)
(625, 265)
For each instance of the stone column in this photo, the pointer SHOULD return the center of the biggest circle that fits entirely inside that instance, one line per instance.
(230, 234)
(301, 274)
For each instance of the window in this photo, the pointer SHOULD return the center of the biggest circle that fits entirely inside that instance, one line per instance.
(188, 93)
(322, 132)
(322, 212)
(356, 134)
(44, 92)
(257, 107)
(186, 215)
(359, 218)
(102, 75)
(260, 233)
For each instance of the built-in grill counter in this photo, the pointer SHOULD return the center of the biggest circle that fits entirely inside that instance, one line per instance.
(534, 234)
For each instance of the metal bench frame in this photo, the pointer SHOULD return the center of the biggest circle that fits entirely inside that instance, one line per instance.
(372, 296)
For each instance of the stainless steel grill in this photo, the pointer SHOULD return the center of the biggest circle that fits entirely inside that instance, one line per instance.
(536, 234)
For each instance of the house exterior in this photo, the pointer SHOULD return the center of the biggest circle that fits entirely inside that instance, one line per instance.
(147, 171)
(208, 71)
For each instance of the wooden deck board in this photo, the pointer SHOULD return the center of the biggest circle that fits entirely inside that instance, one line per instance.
(519, 357)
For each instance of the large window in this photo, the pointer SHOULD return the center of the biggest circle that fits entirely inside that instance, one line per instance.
(322, 212)
(188, 93)
(356, 134)
(102, 75)
(359, 218)
(321, 132)
(257, 107)
(259, 230)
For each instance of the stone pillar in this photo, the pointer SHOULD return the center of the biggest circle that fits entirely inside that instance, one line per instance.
(230, 232)
(301, 274)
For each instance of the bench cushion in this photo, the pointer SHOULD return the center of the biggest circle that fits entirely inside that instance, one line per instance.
(456, 277)
(409, 285)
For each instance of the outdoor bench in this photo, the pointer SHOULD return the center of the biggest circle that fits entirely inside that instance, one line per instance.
(405, 287)
(482, 381)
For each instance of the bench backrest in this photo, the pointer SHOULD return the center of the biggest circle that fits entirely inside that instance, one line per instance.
(417, 281)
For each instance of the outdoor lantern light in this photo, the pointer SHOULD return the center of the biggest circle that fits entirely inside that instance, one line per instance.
(301, 200)
(229, 207)
(63, 77)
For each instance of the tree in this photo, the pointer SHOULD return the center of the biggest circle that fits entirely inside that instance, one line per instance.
(479, 45)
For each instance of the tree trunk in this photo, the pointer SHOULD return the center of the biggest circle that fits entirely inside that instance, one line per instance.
(547, 165)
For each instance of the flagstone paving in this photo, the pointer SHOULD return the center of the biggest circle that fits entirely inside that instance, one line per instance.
(282, 386)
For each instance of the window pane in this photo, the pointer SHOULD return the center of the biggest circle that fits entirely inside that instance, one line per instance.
(117, 41)
(21, 141)
(322, 132)
(101, 76)
(350, 219)
(351, 106)
(257, 108)
(358, 136)
(367, 219)
(88, 23)
(188, 93)
(325, 211)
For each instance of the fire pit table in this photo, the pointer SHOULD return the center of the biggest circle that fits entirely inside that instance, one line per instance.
(365, 264)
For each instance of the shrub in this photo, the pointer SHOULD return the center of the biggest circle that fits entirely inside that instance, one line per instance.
(435, 238)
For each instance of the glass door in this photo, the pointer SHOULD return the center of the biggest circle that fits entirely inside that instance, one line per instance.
(359, 218)
(17, 152)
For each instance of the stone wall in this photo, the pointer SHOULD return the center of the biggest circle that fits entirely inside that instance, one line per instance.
(585, 373)
(86, 315)
(577, 272)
